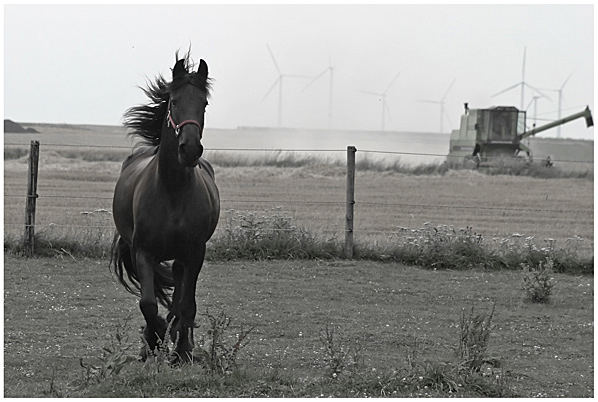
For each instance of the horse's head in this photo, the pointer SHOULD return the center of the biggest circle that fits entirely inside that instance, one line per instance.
(188, 99)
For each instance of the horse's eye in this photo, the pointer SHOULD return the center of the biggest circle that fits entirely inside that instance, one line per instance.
(173, 102)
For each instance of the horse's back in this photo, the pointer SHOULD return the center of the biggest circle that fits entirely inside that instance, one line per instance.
(139, 153)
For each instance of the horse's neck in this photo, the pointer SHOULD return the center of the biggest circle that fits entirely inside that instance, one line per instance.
(170, 171)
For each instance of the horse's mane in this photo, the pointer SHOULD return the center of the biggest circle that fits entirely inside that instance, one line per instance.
(145, 121)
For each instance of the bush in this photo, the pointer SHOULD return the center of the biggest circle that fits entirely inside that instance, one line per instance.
(538, 282)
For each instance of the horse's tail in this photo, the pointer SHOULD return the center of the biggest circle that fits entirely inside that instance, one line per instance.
(126, 273)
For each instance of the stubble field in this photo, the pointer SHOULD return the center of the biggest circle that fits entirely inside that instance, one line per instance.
(314, 196)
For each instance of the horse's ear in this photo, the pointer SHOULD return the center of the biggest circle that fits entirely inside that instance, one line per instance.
(202, 70)
(179, 69)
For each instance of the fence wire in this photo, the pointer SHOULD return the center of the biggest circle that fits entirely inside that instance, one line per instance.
(357, 203)
(370, 151)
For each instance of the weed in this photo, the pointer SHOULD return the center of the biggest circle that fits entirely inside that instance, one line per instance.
(338, 355)
(274, 235)
(538, 281)
(115, 356)
(215, 354)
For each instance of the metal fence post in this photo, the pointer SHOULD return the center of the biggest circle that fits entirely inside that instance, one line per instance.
(350, 201)
(28, 239)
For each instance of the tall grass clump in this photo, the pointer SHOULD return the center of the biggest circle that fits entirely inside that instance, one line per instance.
(268, 236)
(474, 338)
(364, 162)
(280, 159)
(536, 169)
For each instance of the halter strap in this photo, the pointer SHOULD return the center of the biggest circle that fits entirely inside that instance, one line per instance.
(177, 127)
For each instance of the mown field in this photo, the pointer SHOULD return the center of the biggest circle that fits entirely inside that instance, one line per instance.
(58, 311)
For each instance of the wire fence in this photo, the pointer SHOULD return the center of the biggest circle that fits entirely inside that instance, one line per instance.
(308, 150)
(76, 195)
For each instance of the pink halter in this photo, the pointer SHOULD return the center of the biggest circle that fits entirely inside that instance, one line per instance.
(177, 127)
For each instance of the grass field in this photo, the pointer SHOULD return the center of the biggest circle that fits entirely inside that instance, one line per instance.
(60, 310)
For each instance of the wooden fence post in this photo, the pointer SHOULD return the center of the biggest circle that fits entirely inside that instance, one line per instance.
(350, 201)
(28, 240)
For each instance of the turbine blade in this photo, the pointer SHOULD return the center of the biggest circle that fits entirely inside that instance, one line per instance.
(273, 59)
(316, 78)
(391, 82)
(429, 101)
(538, 91)
(271, 88)
(448, 89)
(564, 83)
(506, 90)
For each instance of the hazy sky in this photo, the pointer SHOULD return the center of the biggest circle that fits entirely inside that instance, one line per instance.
(82, 64)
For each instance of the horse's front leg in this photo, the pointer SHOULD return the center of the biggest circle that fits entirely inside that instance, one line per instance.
(185, 307)
(155, 328)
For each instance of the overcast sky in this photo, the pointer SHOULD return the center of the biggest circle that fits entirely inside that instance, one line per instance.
(82, 64)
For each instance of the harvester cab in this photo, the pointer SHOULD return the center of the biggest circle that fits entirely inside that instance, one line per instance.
(487, 135)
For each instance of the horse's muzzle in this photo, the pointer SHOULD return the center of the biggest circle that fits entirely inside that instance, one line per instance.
(189, 154)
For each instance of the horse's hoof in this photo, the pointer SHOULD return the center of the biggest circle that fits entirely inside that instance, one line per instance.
(181, 358)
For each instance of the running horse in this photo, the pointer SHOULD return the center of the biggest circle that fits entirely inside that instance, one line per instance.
(166, 206)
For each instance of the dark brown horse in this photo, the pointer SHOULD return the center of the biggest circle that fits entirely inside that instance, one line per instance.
(166, 205)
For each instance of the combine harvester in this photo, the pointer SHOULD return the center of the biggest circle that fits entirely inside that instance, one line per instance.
(493, 136)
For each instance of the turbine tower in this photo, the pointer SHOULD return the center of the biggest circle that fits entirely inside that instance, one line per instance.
(441, 103)
(559, 91)
(382, 96)
(521, 84)
(330, 71)
(279, 82)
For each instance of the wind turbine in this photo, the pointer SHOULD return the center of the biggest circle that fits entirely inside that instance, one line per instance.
(535, 102)
(522, 84)
(441, 103)
(560, 93)
(279, 82)
(330, 70)
(382, 95)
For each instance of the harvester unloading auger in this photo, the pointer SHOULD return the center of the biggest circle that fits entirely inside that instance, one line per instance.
(486, 135)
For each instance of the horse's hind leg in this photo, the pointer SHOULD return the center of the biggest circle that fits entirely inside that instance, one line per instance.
(155, 325)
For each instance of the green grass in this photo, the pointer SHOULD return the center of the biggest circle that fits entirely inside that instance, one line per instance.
(406, 320)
